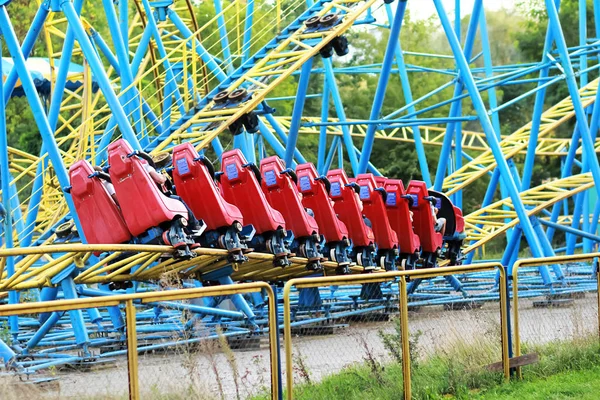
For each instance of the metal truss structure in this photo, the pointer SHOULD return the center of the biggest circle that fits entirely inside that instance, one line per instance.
(153, 81)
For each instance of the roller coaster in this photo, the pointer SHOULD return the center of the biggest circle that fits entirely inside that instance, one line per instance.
(162, 155)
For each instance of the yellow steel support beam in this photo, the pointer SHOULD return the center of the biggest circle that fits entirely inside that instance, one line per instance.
(492, 218)
(519, 140)
(278, 64)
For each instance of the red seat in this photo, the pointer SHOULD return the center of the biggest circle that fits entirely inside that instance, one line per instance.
(460, 220)
(380, 180)
(399, 215)
(98, 214)
(196, 186)
(315, 196)
(283, 195)
(143, 204)
(347, 205)
(374, 208)
(423, 223)
(240, 186)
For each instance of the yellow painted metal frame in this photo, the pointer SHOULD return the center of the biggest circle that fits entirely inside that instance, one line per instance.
(551, 119)
(536, 262)
(152, 297)
(259, 267)
(279, 63)
(486, 223)
(430, 135)
(402, 277)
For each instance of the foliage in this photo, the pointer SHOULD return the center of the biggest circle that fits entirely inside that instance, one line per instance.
(460, 373)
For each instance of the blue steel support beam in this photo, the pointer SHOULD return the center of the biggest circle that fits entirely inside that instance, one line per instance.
(566, 170)
(570, 230)
(247, 30)
(223, 35)
(37, 109)
(170, 83)
(339, 108)
(546, 247)
(124, 23)
(457, 197)
(538, 108)
(322, 150)
(30, 38)
(112, 60)
(202, 52)
(81, 335)
(99, 73)
(131, 101)
(5, 179)
(297, 113)
(583, 59)
(330, 155)
(488, 129)
(384, 77)
(36, 196)
(588, 144)
(458, 89)
(282, 136)
(408, 97)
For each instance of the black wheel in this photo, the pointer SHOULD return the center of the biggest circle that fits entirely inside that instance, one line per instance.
(340, 45)
(329, 19)
(221, 97)
(63, 230)
(250, 122)
(237, 127)
(327, 51)
(312, 21)
(162, 160)
(237, 95)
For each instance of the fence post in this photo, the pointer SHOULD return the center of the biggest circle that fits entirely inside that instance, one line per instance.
(287, 339)
(132, 355)
(276, 384)
(404, 338)
(504, 322)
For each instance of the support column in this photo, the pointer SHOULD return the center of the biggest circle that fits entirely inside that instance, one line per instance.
(488, 129)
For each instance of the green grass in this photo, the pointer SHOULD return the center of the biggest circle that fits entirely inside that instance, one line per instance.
(565, 370)
(582, 385)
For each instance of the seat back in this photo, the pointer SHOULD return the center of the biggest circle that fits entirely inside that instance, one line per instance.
(448, 210)
(315, 196)
(380, 180)
(196, 186)
(143, 204)
(374, 208)
(100, 217)
(283, 195)
(423, 222)
(460, 220)
(347, 205)
(399, 214)
(241, 187)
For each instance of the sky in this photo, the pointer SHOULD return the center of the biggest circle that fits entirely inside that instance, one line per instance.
(421, 9)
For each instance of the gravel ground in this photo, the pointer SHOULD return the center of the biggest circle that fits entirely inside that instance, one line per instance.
(210, 371)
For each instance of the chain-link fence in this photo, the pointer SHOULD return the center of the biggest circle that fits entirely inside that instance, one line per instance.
(562, 312)
(333, 324)
(378, 325)
(457, 329)
(190, 343)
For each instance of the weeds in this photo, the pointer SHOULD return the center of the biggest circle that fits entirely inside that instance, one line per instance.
(300, 367)
(459, 372)
(393, 345)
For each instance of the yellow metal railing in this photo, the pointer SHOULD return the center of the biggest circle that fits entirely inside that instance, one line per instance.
(536, 262)
(152, 297)
(401, 276)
